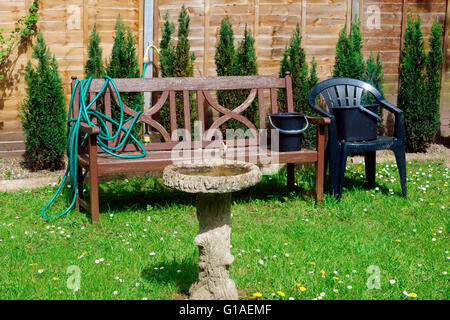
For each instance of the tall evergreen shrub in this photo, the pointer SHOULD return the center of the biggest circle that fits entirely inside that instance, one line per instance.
(349, 59)
(350, 62)
(224, 59)
(167, 50)
(94, 65)
(294, 61)
(245, 64)
(412, 90)
(434, 69)
(177, 61)
(43, 112)
(123, 63)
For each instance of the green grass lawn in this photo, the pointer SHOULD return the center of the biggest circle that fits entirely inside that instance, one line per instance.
(285, 246)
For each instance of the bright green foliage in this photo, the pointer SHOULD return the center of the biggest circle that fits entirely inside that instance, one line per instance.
(43, 112)
(176, 61)
(342, 60)
(245, 64)
(294, 61)
(94, 65)
(167, 51)
(411, 94)
(356, 47)
(184, 65)
(183, 60)
(123, 63)
(240, 62)
(245, 60)
(224, 58)
(25, 27)
(313, 78)
(349, 59)
(433, 70)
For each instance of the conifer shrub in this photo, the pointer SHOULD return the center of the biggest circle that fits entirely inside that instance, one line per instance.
(294, 62)
(419, 87)
(224, 59)
(236, 62)
(123, 63)
(349, 60)
(43, 113)
(245, 64)
(349, 63)
(177, 61)
(434, 69)
(94, 65)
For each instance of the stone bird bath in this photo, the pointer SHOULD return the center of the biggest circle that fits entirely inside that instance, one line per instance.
(213, 182)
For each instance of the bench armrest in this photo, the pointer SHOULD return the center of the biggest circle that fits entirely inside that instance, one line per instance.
(90, 130)
(319, 120)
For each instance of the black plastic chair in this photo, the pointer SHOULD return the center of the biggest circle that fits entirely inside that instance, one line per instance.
(341, 92)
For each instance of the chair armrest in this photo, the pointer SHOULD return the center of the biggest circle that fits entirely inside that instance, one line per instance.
(390, 107)
(319, 120)
(90, 130)
(399, 127)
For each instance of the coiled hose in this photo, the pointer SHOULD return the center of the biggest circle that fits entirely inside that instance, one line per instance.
(86, 114)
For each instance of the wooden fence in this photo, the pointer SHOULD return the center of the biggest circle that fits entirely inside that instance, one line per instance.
(67, 25)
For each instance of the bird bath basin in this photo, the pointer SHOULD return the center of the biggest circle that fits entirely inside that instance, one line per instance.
(213, 182)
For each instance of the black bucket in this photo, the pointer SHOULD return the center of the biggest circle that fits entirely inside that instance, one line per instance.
(357, 123)
(290, 127)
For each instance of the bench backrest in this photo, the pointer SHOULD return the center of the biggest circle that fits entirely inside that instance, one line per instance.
(202, 87)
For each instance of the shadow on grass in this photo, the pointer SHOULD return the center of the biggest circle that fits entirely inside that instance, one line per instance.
(140, 193)
(144, 193)
(357, 183)
(182, 274)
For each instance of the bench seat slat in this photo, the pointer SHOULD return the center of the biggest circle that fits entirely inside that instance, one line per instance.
(158, 160)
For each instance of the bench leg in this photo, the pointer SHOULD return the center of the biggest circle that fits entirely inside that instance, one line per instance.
(94, 204)
(79, 186)
(93, 179)
(319, 179)
(320, 164)
(291, 176)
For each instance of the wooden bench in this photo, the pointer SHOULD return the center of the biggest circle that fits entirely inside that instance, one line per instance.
(161, 154)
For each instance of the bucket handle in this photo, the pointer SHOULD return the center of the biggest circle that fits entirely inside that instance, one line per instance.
(370, 113)
(289, 131)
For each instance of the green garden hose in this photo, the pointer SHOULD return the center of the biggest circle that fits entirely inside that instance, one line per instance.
(86, 114)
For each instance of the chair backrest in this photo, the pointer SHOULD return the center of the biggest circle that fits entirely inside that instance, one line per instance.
(340, 92)
(172, 90)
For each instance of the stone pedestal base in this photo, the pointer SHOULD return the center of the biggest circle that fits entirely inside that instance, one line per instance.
(213, 241)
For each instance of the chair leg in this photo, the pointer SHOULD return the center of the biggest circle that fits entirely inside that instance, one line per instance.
(401, 165)
(290, 176)
(343, 163)
(371, 162)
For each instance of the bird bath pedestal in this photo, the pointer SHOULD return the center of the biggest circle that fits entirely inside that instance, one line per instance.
(213, 182)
